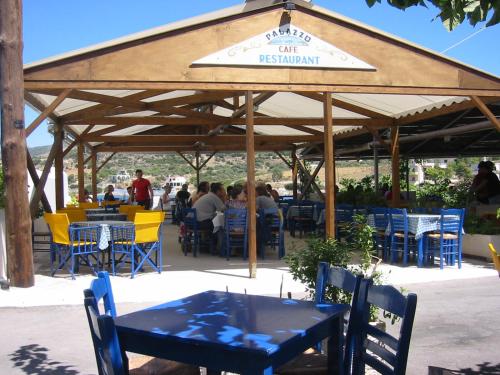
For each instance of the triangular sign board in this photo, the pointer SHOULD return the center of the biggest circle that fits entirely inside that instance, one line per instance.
(287, 46)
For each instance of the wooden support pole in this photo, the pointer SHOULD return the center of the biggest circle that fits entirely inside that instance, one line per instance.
(208, 159)
(36, 181)
(289, 165)
(105, 162)
(81, 173)
(69, 148)
(329, 157)
(186, 159)
(59, 165)
(87, 159)
(396, 189)
(17, 214)
(376, 169)
(47, 111)
(37, 193)
(486, 111)
(94, 175)
(252, 218)
(311, 178)
(197, 168)
(313, 184)
(295, 174)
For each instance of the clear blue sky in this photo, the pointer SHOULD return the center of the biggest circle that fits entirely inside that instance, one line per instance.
(52, 27)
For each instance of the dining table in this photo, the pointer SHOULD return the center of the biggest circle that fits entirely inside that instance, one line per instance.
(105, 226)
(224, 331)
(418, 225)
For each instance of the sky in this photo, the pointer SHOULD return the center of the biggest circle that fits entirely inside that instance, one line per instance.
(52, 27)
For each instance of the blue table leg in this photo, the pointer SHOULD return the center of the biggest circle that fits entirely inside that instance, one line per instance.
(420, 246)
(335, 348)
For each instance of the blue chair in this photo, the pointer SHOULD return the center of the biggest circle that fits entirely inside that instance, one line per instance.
(448, 241)
(236, 231)
(381, 220)
(343, 219)
(109, 357)
(401, 240)
(315, 362)
(72, 246)
(100, 289)
(192, 236)
(304, 221)
(271, 232)
(380, 350)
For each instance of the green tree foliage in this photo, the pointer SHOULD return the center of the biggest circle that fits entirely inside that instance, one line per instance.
(454, 12)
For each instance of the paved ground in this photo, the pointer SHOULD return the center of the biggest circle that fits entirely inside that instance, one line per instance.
(43, 330)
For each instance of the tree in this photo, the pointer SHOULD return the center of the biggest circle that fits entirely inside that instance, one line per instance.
(454, 12)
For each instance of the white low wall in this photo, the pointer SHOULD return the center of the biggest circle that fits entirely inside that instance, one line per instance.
(477, 244)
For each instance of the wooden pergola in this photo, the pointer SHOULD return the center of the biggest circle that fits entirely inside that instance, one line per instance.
(143, 93)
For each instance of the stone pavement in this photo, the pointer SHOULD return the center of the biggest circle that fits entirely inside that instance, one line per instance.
(44, 330)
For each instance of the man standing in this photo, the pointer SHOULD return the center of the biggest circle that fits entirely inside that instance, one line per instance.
(142, 192)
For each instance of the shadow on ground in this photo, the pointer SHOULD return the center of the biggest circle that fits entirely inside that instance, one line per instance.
(482, 368)
(33, 359)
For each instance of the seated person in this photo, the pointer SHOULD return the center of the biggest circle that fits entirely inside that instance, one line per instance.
(234, 201)
(263, 200)
(203, 189)
(486, 186)
(208, 205)
(273, 193)
(108, 196)
(129, 192)
(86, 196)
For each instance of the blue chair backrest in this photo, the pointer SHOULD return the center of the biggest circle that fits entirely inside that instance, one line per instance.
(380, 217)
(235, 219)
(452, 220)
(100, 289)
(105, 339)
(271, 217)
(348, 282)
(380, 350)
(399, 219)
(306, 210)
(190, 218)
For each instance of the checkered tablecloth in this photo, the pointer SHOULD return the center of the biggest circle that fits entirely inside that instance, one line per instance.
(105, 229)
(418, 224)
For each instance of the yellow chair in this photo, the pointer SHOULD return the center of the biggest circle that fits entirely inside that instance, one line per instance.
(74, 214)
(71, 243)
(137, 243)
(496, 258)
(88, 205)
(132, 211)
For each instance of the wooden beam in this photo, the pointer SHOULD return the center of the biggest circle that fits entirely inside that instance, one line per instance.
(329, 157)
(190, 148)
(186, 159)
(305, 129)
(87, 159)
(345, 105)
(251, 199)
(94, 175)
(313, 184)
(284, 160)
(486, 111)
(197, 158)
(59, 164)
(222, 139)
(396, 189)
(105, 162)
(311, 179)
(37, 193)
(17, 219)
(69, 148)
(81, 173)
(208, 159)
(285, 87)
(127, 121)
(36, 181)
(295, 173)
(47, 111)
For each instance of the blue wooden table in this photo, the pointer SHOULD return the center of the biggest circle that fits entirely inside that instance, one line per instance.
(234, 332)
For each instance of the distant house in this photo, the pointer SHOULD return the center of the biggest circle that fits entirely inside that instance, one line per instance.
(121, 176)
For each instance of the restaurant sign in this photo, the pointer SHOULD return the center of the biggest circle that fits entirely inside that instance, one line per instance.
(287, 46)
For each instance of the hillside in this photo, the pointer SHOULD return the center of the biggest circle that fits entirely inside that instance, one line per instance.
(225, 167)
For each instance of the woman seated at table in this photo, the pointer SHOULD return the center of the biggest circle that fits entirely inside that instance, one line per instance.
(234, 200)
(108, 195)
(486, 186)
(203, 189)
(263, 200)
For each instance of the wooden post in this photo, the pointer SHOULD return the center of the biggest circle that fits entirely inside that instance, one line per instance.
(59, 165)
(252, 218)
(396, 189)
(197, 156)
(295, 172)
(375, 168)
(36, 181)
(17, 213)
(329, 156)
(94, 175)
(81, 173)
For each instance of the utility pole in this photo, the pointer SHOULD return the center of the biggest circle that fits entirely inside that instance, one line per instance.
(17, 211)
